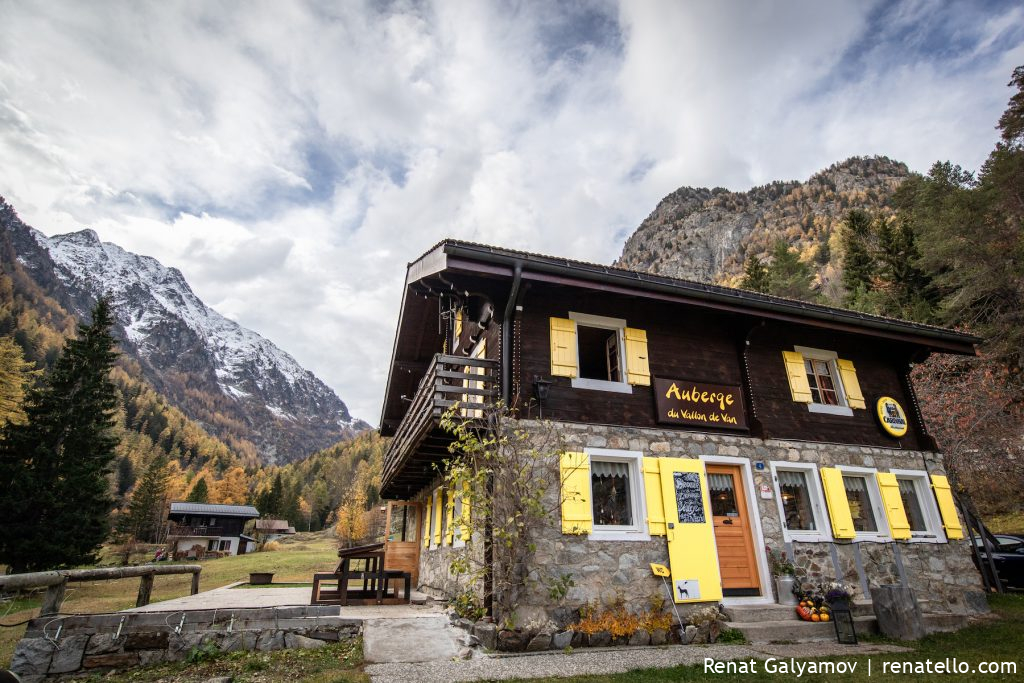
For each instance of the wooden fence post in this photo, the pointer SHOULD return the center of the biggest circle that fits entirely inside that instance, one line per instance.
(195, 582)
(145, 590)
(53, 598)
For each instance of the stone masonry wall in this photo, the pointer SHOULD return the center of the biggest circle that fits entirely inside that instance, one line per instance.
(942, 575)
(57, 647)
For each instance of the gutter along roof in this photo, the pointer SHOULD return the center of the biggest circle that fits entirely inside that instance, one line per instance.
(449, 255)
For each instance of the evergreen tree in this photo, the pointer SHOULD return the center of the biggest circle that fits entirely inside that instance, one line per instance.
(200, 493)
(858, 263)
(788, 276)
(53, 468)
(125, 476)
(755, 275)
(146, 512)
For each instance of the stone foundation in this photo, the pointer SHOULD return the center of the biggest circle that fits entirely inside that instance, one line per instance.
(941, 575)
(56, 647)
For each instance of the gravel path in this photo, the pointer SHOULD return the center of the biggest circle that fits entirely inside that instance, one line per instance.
(599, 661)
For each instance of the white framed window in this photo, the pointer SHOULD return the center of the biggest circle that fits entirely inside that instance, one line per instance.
(617, 496)
(801, 502)
(601, 353)
(919, 506)
(865, 500)
(822, 370)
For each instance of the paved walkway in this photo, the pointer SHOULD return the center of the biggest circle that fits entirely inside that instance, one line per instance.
(411, 640)
(602, 661)
(228, 597)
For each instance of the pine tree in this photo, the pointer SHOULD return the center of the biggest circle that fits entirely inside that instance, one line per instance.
(858, 263)
(146, 511)
(755, 275)
(788, 276)
(56, 501)
(200, 493)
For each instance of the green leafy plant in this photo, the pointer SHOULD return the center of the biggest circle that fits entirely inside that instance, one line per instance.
(731, 636)
(558, 587)
(466, 605)
(206, 652)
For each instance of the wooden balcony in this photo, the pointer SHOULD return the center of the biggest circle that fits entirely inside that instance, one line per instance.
(419, 441)
(198, 531)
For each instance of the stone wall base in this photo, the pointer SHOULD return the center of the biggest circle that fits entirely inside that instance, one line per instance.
(59, 646)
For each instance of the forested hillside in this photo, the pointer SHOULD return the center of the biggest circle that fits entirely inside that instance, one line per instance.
(945, 248)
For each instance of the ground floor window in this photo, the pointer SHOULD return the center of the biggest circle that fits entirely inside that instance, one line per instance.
(616, 494)
(919, 505)
(801, 502)
(869, 521)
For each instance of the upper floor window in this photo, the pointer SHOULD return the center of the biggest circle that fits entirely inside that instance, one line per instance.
(598, 352)
(822, 380)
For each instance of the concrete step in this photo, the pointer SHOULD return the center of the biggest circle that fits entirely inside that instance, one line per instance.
(798, 631)
(758, 613)
(943, 622)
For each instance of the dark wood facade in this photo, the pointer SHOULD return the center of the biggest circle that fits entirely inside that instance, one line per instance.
(695, 333)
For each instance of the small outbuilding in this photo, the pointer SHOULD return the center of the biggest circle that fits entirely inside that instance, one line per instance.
(194, 529)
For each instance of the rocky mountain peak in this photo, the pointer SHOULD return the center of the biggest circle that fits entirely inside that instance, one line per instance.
(706, 234)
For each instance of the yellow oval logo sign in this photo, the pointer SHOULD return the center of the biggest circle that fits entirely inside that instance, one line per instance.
(891, 416)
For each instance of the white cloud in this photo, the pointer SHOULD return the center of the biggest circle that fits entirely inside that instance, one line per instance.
(290, 158)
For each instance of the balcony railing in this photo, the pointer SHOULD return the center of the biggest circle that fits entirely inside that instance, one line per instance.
(194, 530)
(469, 382)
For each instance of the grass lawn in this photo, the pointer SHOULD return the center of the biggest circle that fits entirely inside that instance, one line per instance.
(999, 640)
(336, 663)
(297, 559)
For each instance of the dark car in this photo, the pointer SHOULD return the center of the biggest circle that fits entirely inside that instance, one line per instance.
(1008, 556)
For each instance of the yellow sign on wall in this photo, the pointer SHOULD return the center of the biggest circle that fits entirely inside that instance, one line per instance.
(891, 416)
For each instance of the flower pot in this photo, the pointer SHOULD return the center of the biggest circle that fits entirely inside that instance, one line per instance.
(784, 589)
(261, 578)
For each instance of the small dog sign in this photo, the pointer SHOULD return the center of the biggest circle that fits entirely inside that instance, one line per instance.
(687, 589)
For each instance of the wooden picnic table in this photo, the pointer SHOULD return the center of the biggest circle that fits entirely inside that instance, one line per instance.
(374, 576)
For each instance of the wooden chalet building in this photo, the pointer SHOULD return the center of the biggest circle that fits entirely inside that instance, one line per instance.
(211, 527)
(702, 424)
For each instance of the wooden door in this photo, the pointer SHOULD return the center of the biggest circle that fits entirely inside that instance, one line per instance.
(733, 531)
(403, 532)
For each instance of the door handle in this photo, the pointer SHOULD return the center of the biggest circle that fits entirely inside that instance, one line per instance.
(726, 521)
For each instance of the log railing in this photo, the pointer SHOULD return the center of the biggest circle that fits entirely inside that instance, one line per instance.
(55, 582)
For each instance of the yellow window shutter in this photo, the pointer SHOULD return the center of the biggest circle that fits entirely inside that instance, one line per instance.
(638, 369)
(899, 526)
(838, 503)
(798, 385)
(426, 523)
(848, 375)
(449, 513)
(466, 531)
(655, 506)
(458, 323)
(577, 515)
(563, 348)
(438, 509)
(947, 508)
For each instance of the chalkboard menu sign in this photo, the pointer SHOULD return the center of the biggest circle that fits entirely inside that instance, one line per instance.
(689, 498)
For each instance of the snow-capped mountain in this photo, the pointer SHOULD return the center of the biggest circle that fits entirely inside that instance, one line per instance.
(217, 371)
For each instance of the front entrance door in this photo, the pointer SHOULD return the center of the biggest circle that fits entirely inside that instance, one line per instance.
(403, 532)
(733, 536)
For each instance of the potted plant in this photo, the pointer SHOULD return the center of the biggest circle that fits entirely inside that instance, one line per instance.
(838, 595)
(785, 576)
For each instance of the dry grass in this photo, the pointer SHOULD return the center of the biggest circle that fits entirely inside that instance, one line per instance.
(295, 562)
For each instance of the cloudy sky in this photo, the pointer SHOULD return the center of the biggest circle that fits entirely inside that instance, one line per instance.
(291, 157)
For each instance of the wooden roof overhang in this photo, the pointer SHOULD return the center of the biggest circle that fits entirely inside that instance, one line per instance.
(417, 338)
